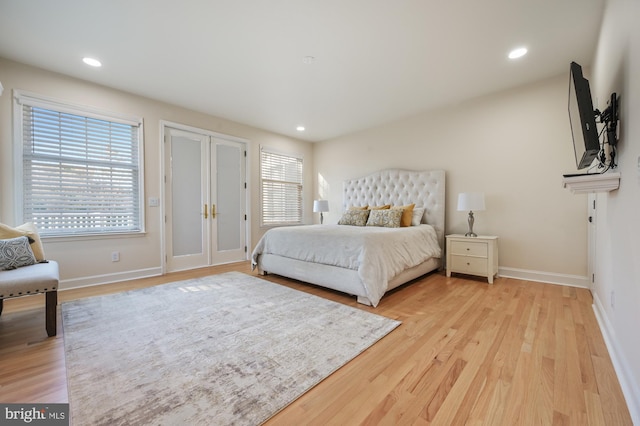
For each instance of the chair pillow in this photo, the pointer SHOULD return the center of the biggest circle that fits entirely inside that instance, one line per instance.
(15, 252)
(27, 229)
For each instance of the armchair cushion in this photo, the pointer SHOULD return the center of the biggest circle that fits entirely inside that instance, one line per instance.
(33, 279)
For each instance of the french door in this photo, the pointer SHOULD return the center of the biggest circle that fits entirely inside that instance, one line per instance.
(205, 200)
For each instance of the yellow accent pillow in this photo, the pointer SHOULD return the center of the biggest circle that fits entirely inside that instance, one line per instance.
(385, 207)
(407, 214)
(28, 230)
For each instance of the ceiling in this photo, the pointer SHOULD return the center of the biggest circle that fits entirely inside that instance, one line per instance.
(375, 61)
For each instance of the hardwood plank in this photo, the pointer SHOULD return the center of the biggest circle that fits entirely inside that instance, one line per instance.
(515, 352)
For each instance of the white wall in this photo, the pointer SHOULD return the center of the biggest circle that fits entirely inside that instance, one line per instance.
(514, 146)
(85, 261)
(617, 286)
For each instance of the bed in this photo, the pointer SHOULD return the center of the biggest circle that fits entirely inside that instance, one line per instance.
(364, 261)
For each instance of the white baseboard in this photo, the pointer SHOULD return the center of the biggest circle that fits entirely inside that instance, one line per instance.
(544, 277)
(629, 387)
(108, 278)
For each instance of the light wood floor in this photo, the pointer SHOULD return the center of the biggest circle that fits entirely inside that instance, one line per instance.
(467, 353)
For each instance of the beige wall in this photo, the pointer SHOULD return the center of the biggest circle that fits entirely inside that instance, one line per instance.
(514, 146)
(88, 260)
(617, 268)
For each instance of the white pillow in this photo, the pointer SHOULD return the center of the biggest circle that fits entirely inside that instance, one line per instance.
(416, 219)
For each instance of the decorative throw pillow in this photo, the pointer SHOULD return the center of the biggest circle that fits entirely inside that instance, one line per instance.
(407, 214)
(358, 208)
(418, 212)
(29, 230)
(384, 207)
(386, 218)
(15, 252)
(354, 217)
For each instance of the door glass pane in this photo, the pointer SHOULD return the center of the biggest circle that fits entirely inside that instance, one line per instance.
(186, 190)
(229, 192)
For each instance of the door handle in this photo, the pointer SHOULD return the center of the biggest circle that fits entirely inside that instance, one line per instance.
(206, 215)
(213, 211)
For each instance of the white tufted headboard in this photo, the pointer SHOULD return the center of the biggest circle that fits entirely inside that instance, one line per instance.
(400, 187)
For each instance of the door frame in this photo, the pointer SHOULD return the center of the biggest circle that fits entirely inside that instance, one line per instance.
(164, 124)
(592, 247)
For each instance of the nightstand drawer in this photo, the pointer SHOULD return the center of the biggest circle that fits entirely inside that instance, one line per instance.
(469, 265)
(469, 248)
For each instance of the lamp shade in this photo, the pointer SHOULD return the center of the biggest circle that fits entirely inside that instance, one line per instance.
(471, 201)
(321, 206)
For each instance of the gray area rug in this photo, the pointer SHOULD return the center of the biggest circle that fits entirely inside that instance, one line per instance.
(228, 349)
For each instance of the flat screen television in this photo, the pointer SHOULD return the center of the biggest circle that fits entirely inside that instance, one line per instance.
(586, 143)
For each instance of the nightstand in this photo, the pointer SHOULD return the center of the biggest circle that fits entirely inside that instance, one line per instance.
(473, 255)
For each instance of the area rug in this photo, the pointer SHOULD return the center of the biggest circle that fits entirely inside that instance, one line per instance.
(229, 349)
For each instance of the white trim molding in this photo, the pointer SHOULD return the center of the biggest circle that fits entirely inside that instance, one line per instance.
(544, 277)
(108, 278)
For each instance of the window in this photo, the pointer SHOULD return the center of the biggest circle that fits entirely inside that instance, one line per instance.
(281, 188)
(79, 169)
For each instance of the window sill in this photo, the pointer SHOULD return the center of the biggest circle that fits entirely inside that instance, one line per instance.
(88, 237)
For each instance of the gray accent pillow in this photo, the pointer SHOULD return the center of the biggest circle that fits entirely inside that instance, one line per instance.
(354, 217)
(385, 218)
(15, 252)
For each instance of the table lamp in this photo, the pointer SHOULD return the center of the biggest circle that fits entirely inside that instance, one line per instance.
(470, 201)
(321, 206)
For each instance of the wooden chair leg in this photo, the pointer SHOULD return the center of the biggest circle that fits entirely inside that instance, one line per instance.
(51, 312)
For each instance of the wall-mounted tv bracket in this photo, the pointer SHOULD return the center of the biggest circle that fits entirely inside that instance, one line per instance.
(609, 117)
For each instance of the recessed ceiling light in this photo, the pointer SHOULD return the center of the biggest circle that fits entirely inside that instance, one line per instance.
(518, 53)
(308, 60)
(300, 128)
(92, 62)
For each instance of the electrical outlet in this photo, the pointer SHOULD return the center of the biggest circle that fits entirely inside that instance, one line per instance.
(115, 256)
(613, 299)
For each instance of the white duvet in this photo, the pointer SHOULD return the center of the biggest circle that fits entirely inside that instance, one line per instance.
(378, 254)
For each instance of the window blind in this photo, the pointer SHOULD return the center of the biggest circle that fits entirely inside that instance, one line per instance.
(281, 188)
(81, 174)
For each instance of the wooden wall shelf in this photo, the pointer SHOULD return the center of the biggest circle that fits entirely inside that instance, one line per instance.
(596, 182)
